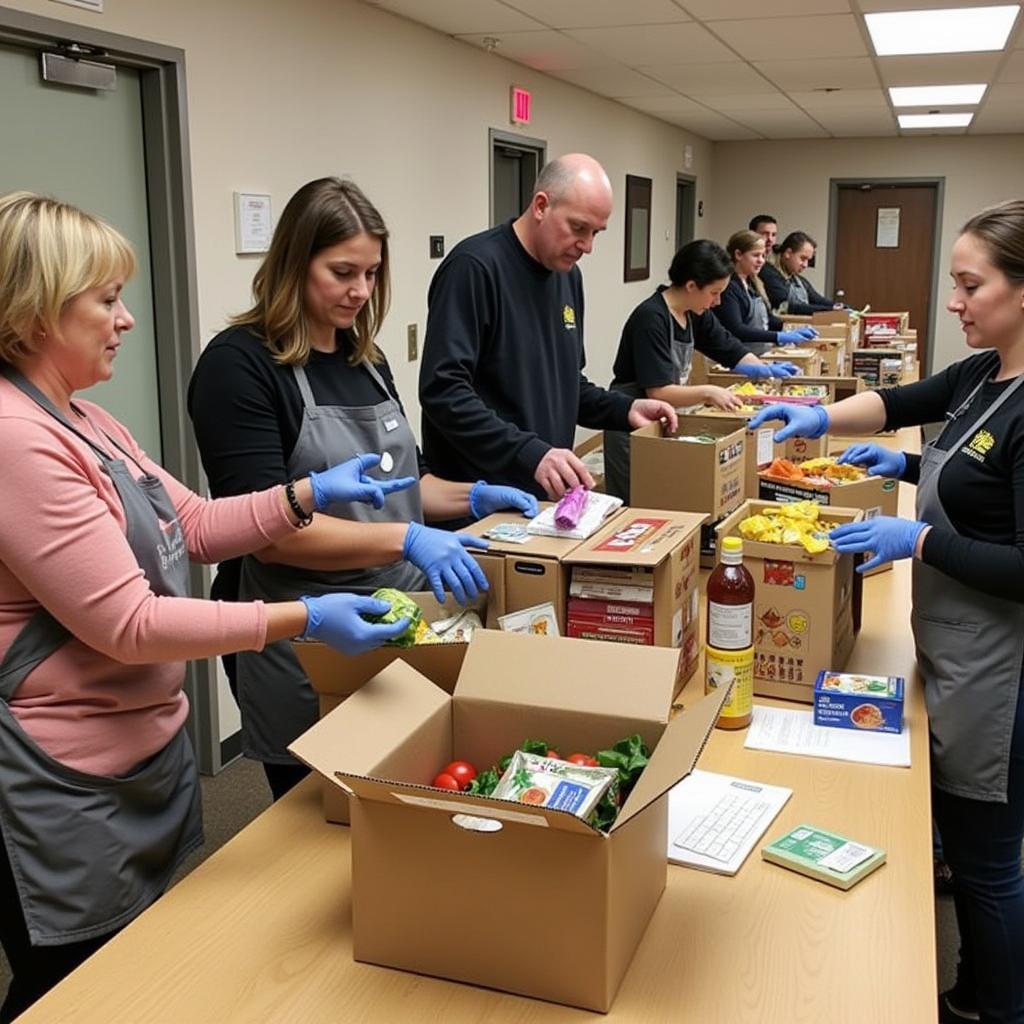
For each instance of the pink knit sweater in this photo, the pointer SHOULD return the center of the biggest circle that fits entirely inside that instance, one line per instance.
(111, 696)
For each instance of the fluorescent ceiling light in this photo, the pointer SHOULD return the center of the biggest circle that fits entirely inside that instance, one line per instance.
(936, 95)
(934, 120)
(955, 30)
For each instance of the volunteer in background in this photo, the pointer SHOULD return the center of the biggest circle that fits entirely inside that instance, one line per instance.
(744, 310)
(99, 798)
(967, 544)
(658, 340)
(767, 226)
(502, 386)
(788, 290)
(298, 383)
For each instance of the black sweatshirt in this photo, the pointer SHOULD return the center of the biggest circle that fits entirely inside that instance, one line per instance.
(982, 486)
(502, 375)
(776, 284)
(733, 310)
(644, 356)
(247, 411)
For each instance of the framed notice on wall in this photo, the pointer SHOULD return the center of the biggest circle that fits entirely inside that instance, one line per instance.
(887, 227)
(637, 265)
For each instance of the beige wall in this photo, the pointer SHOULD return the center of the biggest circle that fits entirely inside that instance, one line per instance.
(791, 180)
(283, 92)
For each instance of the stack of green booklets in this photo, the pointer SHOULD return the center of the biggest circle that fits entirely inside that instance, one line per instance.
(823, 855)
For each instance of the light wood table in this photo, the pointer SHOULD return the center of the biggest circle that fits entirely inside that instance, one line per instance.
(261, 931)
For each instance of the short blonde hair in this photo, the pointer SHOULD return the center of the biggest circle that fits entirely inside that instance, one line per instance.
(50, 252)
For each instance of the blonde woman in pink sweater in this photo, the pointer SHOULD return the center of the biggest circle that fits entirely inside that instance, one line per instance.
(99, 799)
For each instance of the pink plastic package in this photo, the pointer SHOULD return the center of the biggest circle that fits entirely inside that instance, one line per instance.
(569, 510)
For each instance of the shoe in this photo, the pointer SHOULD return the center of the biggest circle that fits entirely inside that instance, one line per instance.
(951, 1014)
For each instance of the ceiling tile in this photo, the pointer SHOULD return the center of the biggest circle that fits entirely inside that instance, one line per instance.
(713, 127)
(723, 78)
(1013, 69)
(461, 17)
(939, 68)
(992, 122)
(715, 10)
(767, 100)
(843, 99)
(848, 123)
(829, 35)
(613, 80)
(780, 124)
(544, 51)
(654, 44)
(815, 73)
(599, 13)
(1003, 97)
(674, 104)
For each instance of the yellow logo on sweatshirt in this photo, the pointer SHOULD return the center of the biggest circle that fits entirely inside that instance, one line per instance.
(979, 445)
(569, 318)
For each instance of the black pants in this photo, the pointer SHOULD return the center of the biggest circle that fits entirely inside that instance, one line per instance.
(982, 846)
(35, 969)
(282, 777)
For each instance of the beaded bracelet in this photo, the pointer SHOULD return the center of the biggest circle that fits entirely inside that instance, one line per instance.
(293, 504)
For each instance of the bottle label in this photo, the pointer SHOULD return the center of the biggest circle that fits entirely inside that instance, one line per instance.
(735, 668)
(730, 626)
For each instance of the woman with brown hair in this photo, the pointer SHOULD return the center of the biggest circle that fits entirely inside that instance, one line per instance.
(788, 290)
(298, 382)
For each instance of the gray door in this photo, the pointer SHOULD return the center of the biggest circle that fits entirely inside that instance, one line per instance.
(515, 164)
(86, 147)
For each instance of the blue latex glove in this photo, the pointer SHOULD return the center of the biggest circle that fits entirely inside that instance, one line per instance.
(337, 620)
(800, 420)
(442, 557)
(783, 370)
(878, 460)
(793, 337)
(755, 371)
(347, 481)
(807, 332)
(888, 537)
(487, 498)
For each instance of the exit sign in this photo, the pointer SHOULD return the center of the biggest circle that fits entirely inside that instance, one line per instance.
(520, 105)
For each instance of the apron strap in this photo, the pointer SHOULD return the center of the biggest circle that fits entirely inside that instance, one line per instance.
(378, 379)
(35, 642)
(304, 389)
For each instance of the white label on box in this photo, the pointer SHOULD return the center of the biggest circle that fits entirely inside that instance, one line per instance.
(846, 857)
(484, 811)
(765, 445)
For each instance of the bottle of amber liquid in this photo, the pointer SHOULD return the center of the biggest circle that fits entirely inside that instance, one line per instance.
(729, 652)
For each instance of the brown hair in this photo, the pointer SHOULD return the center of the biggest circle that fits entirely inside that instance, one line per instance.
(50, 252)
(744, 242)
(1001, 228)
(321, 214)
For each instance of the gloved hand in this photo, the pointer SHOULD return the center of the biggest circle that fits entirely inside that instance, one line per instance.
(807, 332)
(442, 557)
(487, 498)
(337, 620)
(878, 460)
(793, 337)
(783, 370)
(347, 481)
(755, 371)
(800, 420)
(888, 537)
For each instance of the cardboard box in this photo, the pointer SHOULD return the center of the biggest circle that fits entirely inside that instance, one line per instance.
(883, 324)
(667, 544)
(868, 703)
(526, 574)
(827, 388)
(805, 357)
(796, 448)
(831, 345)
(688, 476)
(878, 367)
(804, 614)
(543, 904)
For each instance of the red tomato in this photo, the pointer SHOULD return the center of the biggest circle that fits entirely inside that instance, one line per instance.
(555, 755)
(445, 781)
(584, 759)
(461, 771)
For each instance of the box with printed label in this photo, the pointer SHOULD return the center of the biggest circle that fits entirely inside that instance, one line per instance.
(646, 557)
(698, 467)
(878, 367)
(804, 604)
(431, 863)
(881, 325)
(869, 703)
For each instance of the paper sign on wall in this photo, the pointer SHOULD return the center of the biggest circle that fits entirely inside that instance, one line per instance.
(253, 226)
(887, 228)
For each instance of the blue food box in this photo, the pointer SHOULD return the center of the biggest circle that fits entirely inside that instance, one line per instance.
(849, 701)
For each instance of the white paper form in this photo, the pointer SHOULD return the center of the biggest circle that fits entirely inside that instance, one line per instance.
(794, 732)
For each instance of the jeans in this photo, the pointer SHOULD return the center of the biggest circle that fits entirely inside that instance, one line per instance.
(982, 845)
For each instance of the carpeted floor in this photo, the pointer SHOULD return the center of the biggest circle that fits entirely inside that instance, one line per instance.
(239, 793)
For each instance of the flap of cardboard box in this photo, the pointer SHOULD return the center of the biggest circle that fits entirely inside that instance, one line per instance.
(579, 676)
(536, 547)
(637, 536)
(365, 731)
(675, 755)
(692, 424)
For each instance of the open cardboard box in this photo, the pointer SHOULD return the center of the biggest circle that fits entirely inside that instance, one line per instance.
(544, 905)
(806, 607)
(805, 357)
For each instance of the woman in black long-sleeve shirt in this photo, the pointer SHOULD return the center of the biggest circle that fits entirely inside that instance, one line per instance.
(788, 290)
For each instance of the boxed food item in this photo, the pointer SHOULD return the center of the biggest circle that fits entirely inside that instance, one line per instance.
(805, 593)
(878, 367)
(644, 557)
(505, 860)
(826, 856)
(848, 701)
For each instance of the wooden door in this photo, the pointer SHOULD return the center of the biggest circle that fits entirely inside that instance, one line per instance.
(891, 277)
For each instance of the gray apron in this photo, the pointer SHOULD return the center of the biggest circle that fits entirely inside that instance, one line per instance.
(970, 649)
(616, 442)
(276, 700)
(90, 852)
(756, 317)
(797, 292)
